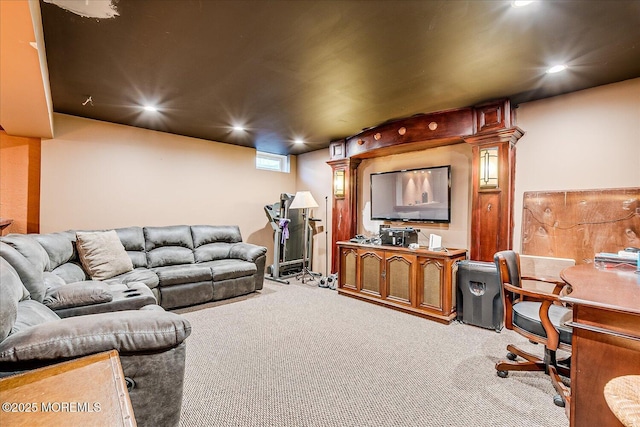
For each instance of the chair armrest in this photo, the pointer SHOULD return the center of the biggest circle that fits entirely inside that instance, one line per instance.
(546, 300)
(534, 295)
(77, 294)
(129, 332)
(556, 290)
(247, 251)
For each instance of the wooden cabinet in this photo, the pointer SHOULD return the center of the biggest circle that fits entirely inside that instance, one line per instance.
(419, 281)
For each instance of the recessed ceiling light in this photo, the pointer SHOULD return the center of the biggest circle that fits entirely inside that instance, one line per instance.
(521, 3)
(238, 128)
(298, 141)
(150, 108)
(556, 69)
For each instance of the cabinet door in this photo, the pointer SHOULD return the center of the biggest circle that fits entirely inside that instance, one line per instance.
(371, 267)
(430, 283)
(348, 268)
(399, 277)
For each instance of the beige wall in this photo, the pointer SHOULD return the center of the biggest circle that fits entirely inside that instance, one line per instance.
(102, 175)
(455, 234)
(583, 140)
(99, 175)
(314, 174)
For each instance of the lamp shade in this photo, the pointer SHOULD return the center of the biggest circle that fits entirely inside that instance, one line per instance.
(303, 200)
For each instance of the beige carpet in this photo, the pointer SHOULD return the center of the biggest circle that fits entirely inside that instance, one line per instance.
(299, 355)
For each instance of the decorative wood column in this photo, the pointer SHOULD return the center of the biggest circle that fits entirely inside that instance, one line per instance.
(344, 220)
(492, 202)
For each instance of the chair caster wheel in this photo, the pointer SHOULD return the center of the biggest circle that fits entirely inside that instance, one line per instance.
(512, 356)
(557, 400)
(502, 374)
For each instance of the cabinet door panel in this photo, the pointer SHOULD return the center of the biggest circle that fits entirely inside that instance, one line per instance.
(371, 272)
(348, 261)
(430, 283)
(399, 277)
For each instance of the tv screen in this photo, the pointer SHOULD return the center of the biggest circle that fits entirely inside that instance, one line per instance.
(420, 195)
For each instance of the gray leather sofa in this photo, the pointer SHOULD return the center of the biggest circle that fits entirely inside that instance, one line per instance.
(150, 341)
(176, 266)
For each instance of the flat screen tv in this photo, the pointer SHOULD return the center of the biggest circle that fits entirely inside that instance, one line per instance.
(416, 195)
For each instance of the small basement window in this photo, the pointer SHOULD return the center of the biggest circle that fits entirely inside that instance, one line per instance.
(272, 162)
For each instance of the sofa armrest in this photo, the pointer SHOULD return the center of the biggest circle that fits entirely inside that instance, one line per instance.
(128, 332)
(77, 294)
(246, 251)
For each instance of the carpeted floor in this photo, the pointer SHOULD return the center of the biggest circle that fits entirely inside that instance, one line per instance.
(300, 355)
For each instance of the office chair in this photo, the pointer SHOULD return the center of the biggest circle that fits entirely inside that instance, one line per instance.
(539, 317)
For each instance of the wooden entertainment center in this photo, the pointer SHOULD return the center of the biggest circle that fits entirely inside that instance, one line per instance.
(419, 282)
(486, 127)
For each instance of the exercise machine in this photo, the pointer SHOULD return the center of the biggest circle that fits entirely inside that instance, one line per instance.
(288, 239)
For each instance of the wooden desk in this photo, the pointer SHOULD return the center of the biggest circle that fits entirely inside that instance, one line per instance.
(606, 337)
(89, 391)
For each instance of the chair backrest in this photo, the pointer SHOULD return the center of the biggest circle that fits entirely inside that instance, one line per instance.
(508, 265)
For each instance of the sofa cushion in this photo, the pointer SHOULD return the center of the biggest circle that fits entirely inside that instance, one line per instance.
(212, 251)
(204, 234)
(29, 248)
(144, 275)
(77, 294)
(32, 313)
(226, 269)
(132, 239)
(31, 276)
(175, 235)
(179, 274)
(52, 280)
(59, 247)
(70, 272)
(169, 255)
(12, 291)
(102, 254)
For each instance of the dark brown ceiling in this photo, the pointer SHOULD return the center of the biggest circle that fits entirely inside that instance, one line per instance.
(323, 70)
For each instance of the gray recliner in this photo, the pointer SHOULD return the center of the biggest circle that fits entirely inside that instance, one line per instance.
(150, 341)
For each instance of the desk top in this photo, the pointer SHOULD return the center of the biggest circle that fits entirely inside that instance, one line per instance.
(614, 289)
(87, 391)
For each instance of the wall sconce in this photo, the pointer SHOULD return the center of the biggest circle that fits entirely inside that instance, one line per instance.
(489, 167)
(338, 183)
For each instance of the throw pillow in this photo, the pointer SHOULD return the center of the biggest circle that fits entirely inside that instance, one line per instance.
(102, 254)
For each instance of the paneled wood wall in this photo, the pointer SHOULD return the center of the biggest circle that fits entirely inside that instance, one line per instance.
(578, 224)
